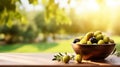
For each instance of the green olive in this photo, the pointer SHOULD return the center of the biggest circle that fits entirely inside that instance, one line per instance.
(83, 41)
(78, 58)
(100, 42)
(89, 35)
(66, 58)
(85, 38)
(89, 42)
(99, 36)
(106, 39)
(97, 32)
(111, 41)
(94, 44)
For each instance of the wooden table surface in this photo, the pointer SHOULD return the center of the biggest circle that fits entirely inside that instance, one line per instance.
(45, 59)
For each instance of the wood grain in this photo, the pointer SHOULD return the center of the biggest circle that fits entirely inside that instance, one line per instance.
(45, 59)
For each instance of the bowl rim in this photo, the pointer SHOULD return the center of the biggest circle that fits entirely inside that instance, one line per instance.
(96, 44)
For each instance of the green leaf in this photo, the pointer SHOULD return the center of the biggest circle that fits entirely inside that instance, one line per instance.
(34, 2)
(45, 2)
(9, 24)
(23, 20)
(51, 1)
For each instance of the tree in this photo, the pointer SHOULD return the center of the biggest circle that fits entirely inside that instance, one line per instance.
(11, 34)
(11, 18)
(9, 12)
(52, 10)
(46, 28)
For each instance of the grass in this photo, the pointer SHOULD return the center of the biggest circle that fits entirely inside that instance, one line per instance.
(61, 46)
(117, 41)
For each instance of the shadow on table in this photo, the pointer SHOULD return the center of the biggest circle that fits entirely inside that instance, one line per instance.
(101, 61)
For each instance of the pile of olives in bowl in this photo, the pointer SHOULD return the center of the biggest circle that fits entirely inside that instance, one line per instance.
(94, 38)
(94, 45)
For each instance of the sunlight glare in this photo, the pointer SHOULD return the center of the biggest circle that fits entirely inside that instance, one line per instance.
(112, 3)
(87, 5)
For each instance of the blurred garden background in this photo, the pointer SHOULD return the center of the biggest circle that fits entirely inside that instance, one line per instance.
(52, 25)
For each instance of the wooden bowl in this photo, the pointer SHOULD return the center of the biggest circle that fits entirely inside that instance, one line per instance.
(93, 52)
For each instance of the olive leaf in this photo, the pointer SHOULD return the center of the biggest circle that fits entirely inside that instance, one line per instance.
(58, 57)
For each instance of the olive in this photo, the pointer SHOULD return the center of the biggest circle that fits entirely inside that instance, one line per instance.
(89, 35)
(111, 41)
(89, 42)
(66, 58)
(93, 40)
(94, 44)
(106, 39)
(100, 42)
(85, 38)
(83, 41)
(76, 40)
(78, 58)
(97, 32)
(99, 36)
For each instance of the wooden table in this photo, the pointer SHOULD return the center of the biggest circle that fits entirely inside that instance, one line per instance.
(45, 59)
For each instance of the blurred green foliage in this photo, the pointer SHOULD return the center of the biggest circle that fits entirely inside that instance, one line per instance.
(17, 25)
(9, 11)
(53, 11)
(13, 21)
(9, 5)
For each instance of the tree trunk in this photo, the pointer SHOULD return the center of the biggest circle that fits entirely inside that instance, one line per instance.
(45, 37)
